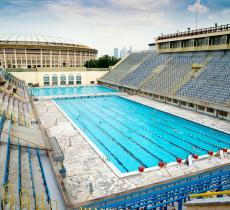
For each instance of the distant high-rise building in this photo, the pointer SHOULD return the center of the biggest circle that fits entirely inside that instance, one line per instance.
(115, 53)
(130, 50)
(123, 52)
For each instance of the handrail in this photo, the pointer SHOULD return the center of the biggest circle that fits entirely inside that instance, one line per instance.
(19, 171)
(179, 192)
(3, 118)
(43, 176)
(32, 177)
(195, 32)
(207, 194)
(6, 169)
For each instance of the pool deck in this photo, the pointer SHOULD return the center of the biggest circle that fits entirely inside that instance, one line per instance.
(85, 166)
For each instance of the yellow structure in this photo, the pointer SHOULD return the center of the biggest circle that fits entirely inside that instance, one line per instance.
(207, 203)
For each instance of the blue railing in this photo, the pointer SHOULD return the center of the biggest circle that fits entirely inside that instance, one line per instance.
(32, 177)
(19, 171)
(43, 176)
(3, 118)
(163, 195)
(6, 168)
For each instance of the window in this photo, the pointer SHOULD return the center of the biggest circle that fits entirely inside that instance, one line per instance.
(71, 79)
(183, 103)
(46, 80)
(202, 108)
(190, 105)
(54, 79)
(223, 113)
(211, 110)
(78, 79)
(63, 79)
(175, 101)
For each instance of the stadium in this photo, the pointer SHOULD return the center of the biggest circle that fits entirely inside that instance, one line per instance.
(151, 132)
(47, 60)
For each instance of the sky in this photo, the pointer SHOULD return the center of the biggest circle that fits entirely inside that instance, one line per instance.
(107, 24)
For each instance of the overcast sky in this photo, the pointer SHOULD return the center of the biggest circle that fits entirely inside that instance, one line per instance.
(106, 24)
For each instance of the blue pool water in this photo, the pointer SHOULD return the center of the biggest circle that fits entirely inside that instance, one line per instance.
(131, 134)
(78, 90)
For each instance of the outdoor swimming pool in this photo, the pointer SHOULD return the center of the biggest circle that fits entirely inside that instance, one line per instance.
(73, 90)
(130, 134)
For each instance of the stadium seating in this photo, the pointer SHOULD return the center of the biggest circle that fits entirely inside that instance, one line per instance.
(171, 195)
(24, 182)
(125, 67)
(213, 84)
(204, 76)
(14, 99)
(22, 177)
(144, 70)
(178, 68)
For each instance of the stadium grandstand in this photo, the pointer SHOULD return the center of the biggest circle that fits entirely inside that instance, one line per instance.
(153, 134)
(189, 69)
(47, 60)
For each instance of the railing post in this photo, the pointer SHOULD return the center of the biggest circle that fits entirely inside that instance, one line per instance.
(180, 204)
(220, 187)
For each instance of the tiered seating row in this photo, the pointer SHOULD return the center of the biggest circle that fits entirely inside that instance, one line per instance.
(11, 79)
(171, 195)
(125, 66)
(30, 188)
(174, 74)
(16, 103)
(213, 84)
(175, 71)
(22, 111)
(144, 70)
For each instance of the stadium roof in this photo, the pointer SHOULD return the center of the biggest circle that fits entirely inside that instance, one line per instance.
(36, 39)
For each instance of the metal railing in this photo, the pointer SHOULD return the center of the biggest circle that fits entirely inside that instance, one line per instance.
(195, 32)
(167, 194)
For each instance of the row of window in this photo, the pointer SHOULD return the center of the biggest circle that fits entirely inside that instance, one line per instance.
(54, 79)
(206, 41)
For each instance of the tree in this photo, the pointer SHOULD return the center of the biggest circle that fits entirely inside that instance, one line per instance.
(103, 62)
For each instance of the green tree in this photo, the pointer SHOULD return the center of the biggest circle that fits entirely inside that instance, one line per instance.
(103, 62)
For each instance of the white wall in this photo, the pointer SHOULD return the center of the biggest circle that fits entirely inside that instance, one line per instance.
(37, 76)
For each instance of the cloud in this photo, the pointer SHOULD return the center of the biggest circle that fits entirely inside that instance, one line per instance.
(220, 17)
(197, 5)
(105, 24)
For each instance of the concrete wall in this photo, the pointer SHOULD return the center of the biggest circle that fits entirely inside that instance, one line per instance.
(37, 76)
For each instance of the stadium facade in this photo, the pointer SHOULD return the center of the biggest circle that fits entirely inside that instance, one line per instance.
(47, 60)
(37, 51)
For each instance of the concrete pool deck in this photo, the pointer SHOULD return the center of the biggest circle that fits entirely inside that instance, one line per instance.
(84, 165)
